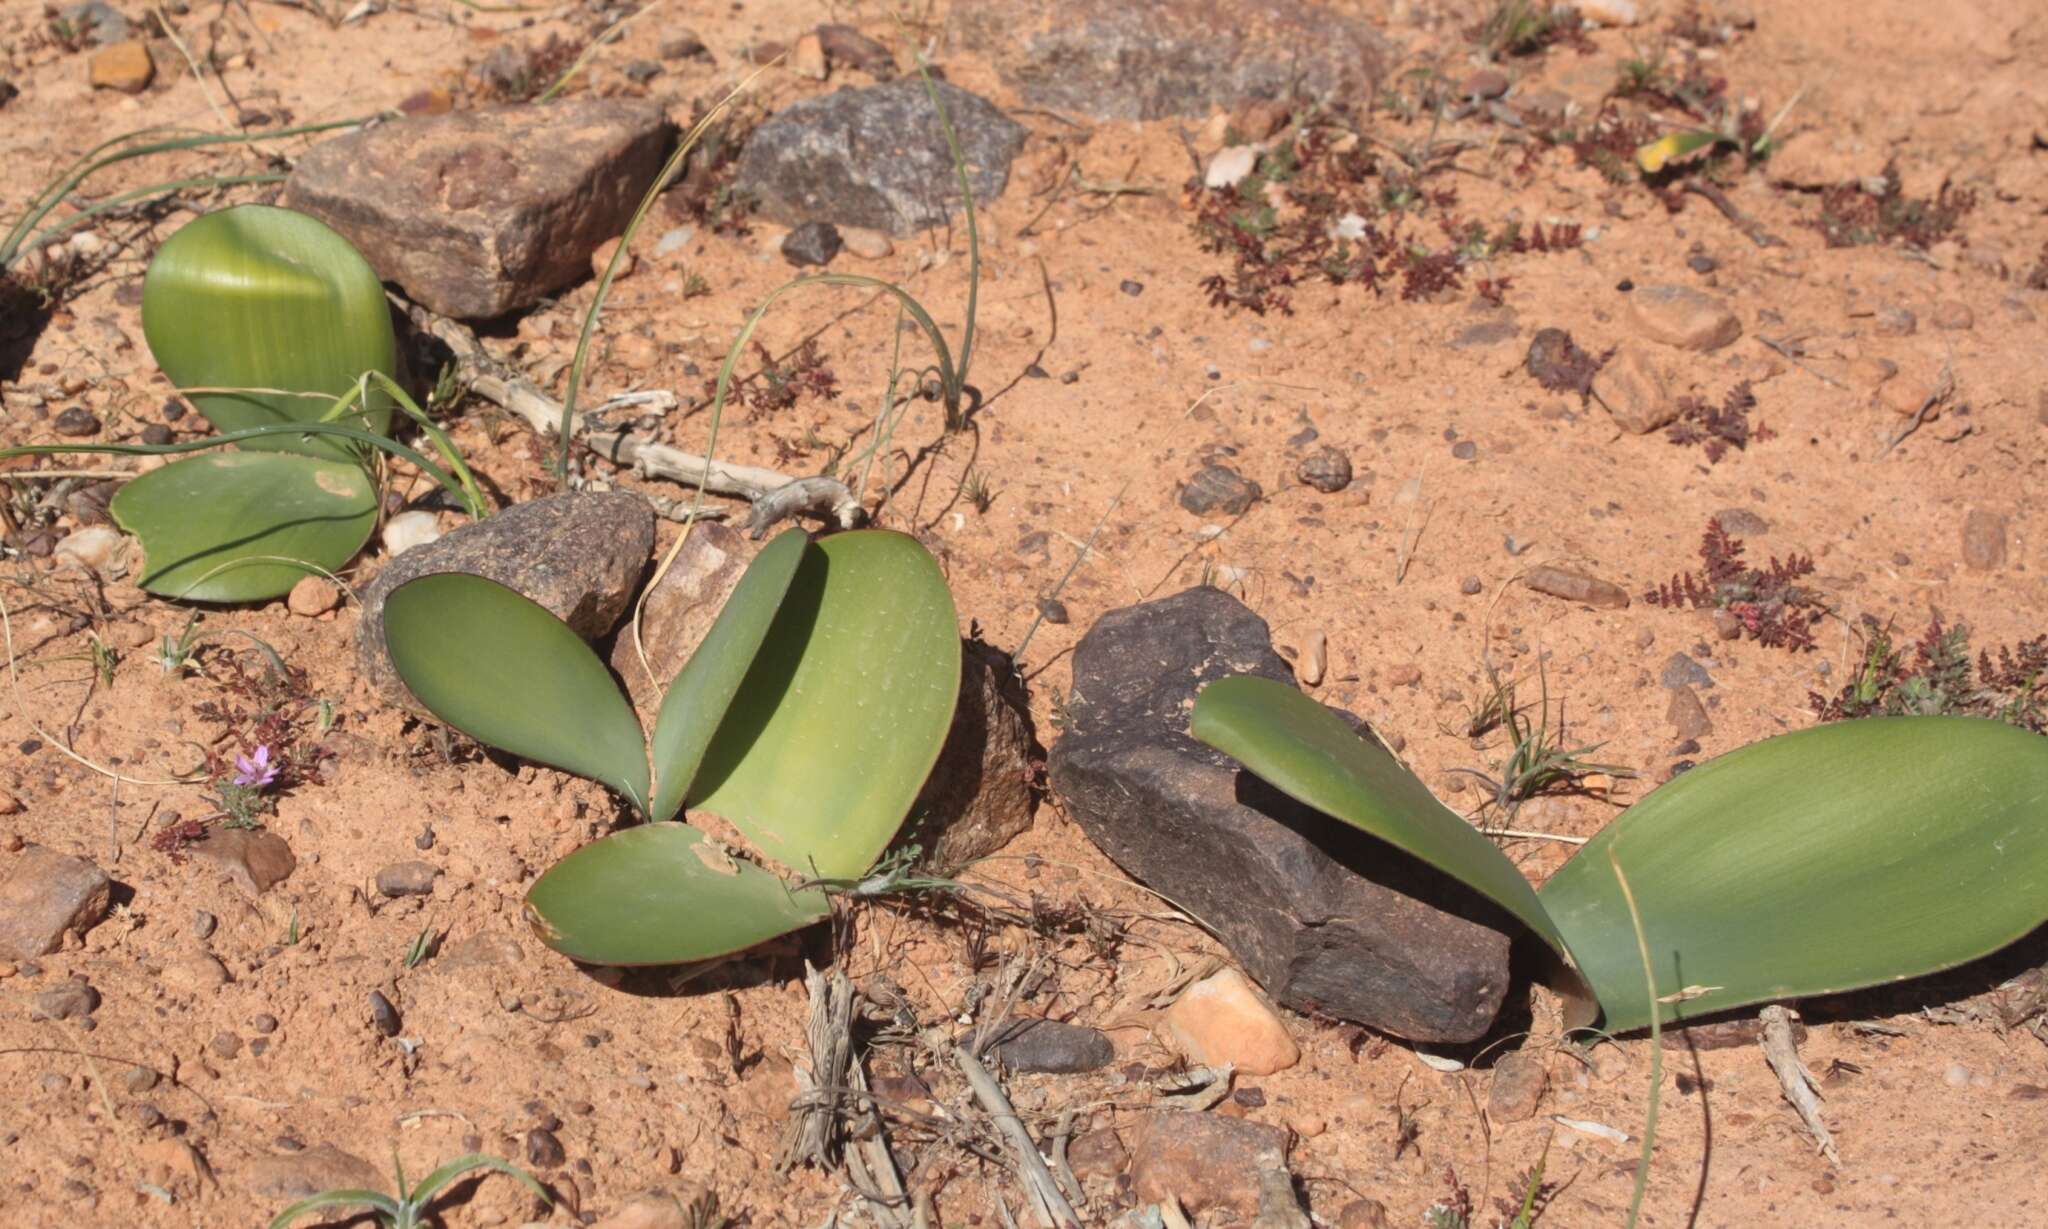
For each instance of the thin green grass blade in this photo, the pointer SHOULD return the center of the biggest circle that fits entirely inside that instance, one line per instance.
(662, 894)
(1829, 859)
(1307, 752)
(504, 671)
(261, 297)
(841, 718)
(199, 518)
(703, 690)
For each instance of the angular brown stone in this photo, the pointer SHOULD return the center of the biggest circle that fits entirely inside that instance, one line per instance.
(1206, 1161)
(580, 554)
(1149, 59)
(1574, 586)
(476, 213)
(1325, 917)
(1519, 1080)
(46, 894)
(1635, 392)
(1683, 317)
(256, 861)
(1983, 540)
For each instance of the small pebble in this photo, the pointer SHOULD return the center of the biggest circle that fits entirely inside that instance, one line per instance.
(1470, 586)
(1326, 469)
(1464, 450)
(812, 244)
(204, 924)
(383, 1014)
(77, 421)
(265, 1024)
(1054, 610)
(407, 879)
(1131, 288)
(543, 1150)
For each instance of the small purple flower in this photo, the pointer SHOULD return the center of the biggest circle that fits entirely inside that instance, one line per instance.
(255, 771)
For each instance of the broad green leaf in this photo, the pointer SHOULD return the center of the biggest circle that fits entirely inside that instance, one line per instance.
(662, 894)
(1828, 859)
(1653, 156)
(509, 674)
(199, 519)
(430, 1186)
(1308, 753)
(704, 688)
(842, 715)
(261, 297)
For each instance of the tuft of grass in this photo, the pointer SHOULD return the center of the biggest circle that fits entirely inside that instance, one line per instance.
(408, 1210)
(975, 486)
(1523, 27)
(1539, 760)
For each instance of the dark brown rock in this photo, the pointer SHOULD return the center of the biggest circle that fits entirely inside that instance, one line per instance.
(1052, 1047)
(579, 554)
(844, 45)
(1149, 59)
(1326, 918)
(1575, 586)
(1207, 1161)
(979, 796)
(477, 213)
(324, 1167)
(45, 895)
(1326, 469)
(876, 157)
(71, 999)
(1219, 489)
(256, 861)
(1688, 717)
(408, 879)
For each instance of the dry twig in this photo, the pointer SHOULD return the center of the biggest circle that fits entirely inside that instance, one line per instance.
(1801, 1089)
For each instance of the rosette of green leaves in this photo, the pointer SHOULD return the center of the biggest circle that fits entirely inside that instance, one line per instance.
(808, 718)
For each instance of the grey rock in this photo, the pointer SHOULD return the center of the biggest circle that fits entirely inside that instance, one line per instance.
(845, 45)
(579, 554)
(1683, 671)
(1219, 488)
(100, 23)
(1052, 1047)
(1326, 469)
(876, 157)
(813, 243)
(1326, 918)
(1895, 321)
(477, 213)
(408, 879)
(45, 895)
(72, 999)
(1741, 522)
(1149, 59)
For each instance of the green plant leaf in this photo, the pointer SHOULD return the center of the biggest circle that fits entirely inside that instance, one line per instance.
(704, 688)
(509, 674)
(1653, 156)
(662, 894)
(1308, 753)
(430, 1186)
(261, 297)
(1822, 860)
(213, 527)
(842, 715)
(383, 1205)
